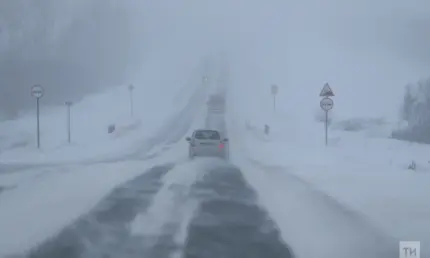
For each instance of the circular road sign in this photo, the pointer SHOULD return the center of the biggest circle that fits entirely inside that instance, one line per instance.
(326, 104)
(37, 91)
(274, 89)
(131, 87)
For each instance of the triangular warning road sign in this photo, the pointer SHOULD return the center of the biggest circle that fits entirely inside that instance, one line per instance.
(326, 91)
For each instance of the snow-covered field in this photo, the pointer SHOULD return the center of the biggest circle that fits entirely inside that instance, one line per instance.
(90, 119)
(363, 172)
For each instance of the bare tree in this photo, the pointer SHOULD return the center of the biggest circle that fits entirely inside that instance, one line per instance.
(416, 112)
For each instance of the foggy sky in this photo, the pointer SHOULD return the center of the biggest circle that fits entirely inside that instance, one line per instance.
(71, 47)
(76, 46)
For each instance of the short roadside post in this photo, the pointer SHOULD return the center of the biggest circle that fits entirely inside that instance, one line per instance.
(37, 92)
(326, 104)
(274, 90)
(69, 128)
(130, 89)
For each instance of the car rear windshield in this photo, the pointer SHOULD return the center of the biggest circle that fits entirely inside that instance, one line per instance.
(207, 135)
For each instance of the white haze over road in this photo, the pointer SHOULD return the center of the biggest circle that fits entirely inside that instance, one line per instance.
(367, 50)
(364, 48)
(357, 46)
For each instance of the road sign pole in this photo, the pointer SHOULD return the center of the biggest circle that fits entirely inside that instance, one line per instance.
(274, 90)
(326, 105)
(131, 103)
(274, 103)
(131, 88)
(326, 128)
(37, 92)
(38, 122)
(69, 121)
(69, 130)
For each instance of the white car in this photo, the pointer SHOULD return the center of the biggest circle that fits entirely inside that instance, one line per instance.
(206, 142)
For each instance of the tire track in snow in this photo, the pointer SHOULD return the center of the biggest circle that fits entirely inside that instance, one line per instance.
(229, 223)
(104, 232)
(164, 224)
(6, 188)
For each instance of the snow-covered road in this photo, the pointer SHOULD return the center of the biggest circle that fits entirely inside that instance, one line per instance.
(181, 208)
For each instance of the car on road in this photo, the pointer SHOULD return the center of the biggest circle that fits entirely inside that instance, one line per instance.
(216, 100)
(207, 142)
(216, 104)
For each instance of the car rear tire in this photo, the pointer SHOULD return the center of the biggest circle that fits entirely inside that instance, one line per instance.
(190, 155)
(225, 156)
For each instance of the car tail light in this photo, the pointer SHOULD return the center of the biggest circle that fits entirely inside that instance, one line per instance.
(221, 145)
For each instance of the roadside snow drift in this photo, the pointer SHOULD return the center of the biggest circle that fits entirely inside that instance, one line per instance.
(90, 119)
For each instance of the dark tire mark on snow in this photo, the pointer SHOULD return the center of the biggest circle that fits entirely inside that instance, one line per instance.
(13, 168)
(6, 188)
(229, 223)
(104, 231)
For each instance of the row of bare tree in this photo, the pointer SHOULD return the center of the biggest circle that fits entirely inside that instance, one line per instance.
(71, 47)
